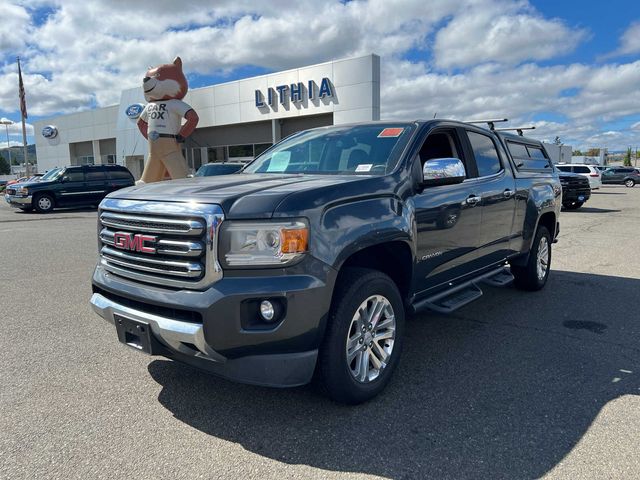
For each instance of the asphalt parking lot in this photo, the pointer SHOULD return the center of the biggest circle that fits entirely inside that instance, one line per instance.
(515, 385)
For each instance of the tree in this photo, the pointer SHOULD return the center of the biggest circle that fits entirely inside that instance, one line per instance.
(5, 169)
(593, 152)
(627, 158)
(577, 153)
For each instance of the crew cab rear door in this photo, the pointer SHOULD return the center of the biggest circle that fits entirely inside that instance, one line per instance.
(72, 187)
(495, 186)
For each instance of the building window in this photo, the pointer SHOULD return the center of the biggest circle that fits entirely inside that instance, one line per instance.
(197, 158)
(215, 154)
(233, 153)
(108, 159)
(258, 148)
(85, 160)
(240, 151)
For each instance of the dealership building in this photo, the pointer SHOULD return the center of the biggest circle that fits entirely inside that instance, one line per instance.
(238, 120)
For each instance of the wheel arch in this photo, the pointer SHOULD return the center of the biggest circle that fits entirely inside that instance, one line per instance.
(393, 258)
(549, 220)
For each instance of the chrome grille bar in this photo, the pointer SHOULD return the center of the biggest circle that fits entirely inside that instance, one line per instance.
(185, 242)
(146, 264)
(152, 224)
(181, 248)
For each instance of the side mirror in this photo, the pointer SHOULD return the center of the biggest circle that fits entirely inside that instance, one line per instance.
(443, 171)
(64, 179)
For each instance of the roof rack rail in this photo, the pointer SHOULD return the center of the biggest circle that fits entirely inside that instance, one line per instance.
(517, 129)
(491, 122)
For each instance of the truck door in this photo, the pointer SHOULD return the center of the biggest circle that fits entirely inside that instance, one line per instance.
(495, 185)
(71, 189)
(447, 216)
(97, 186)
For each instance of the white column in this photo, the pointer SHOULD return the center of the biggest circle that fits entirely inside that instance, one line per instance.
(276, 133)
(97, 158)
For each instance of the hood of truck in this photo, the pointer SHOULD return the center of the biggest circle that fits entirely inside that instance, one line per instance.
(239, 195)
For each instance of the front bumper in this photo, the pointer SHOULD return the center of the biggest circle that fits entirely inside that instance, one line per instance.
(275, 370)
(216, 338)
(572, 195)
(19, 202)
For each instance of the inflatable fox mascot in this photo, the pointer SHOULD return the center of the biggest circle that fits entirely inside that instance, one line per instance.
(161, 121)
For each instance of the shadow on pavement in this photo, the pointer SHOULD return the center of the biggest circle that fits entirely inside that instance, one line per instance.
(504, 388)
(591, 210)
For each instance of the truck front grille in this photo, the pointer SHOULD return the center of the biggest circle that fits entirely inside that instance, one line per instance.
(169, 244)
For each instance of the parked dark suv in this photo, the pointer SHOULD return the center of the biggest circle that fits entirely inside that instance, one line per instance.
(627, 176)
(69, 187)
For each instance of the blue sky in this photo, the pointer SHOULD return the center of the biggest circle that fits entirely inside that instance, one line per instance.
(571, 68)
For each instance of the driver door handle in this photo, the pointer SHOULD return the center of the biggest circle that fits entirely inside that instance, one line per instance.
(473, 200)
(508, 193)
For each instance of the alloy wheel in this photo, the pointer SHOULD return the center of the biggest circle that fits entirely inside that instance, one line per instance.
(542, 265)
(44, 203)
(370, 338)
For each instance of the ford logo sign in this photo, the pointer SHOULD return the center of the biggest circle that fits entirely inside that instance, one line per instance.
(49, 131)
(134, 110)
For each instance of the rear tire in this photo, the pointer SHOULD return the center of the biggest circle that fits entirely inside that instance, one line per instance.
(533, 276)
(43, 203)
(629, 183)
(363, 341)
(572, 205)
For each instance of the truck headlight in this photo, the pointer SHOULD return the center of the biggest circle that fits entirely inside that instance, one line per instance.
(22, 191)
(245, 244)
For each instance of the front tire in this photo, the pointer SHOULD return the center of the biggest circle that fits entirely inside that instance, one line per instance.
(363, 341)
(533, 276)
(629, 183)
(43, 203)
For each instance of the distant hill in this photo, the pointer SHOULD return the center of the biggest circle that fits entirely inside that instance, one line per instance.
(17, 154)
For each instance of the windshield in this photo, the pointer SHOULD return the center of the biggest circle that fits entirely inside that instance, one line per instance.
(51, 174)
(217, 169)
(359, 149)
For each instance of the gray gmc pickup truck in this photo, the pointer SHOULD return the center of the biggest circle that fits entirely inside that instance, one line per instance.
(305, 264)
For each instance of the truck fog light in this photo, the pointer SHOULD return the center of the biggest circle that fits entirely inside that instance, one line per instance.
(266, 310)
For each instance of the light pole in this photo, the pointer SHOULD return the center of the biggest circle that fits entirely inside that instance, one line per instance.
(6, 122)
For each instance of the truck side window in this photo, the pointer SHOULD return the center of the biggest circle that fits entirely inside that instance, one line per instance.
(441, 145)
(437, 145)
(528, 157)
(484, 150)
(74, 175)
(96, 175)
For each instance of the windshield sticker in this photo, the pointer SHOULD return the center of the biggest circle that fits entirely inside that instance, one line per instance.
(279, 162)
(390, 132)
(364, 167)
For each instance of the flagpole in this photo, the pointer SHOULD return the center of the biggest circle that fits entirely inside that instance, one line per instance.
(23, 115)
(26, 150)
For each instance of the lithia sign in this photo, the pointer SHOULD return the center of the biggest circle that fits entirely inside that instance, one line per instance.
(295, 92)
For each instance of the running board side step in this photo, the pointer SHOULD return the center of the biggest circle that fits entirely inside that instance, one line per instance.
(500, 279)
(464, 293)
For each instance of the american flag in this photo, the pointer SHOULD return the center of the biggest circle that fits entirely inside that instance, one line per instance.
(23, 101)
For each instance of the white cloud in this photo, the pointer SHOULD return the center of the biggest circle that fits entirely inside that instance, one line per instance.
(503, 32)
(630, 40)
(14, 27)
(478, 57)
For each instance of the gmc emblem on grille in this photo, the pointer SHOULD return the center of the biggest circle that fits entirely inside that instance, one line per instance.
(136, 242)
